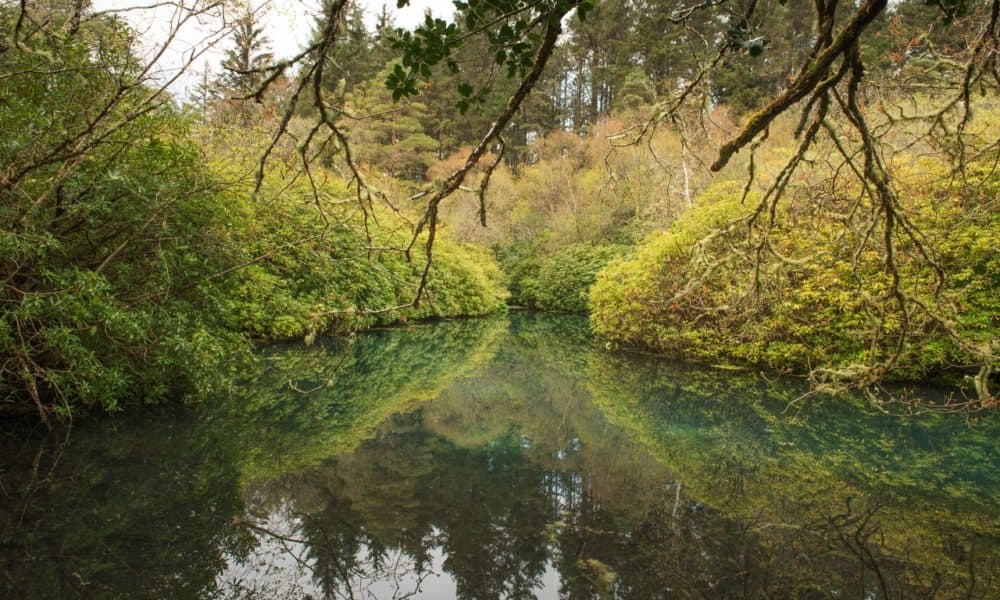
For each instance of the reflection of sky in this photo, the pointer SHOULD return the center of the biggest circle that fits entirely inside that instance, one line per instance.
(280, 568)
(520, 479)
(275, 567)
(564, 482)
(285, 568)
(406, 581)
(437, 584)
(287, 24)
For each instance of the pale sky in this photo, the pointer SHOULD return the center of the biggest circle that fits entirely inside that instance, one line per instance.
(287, 23)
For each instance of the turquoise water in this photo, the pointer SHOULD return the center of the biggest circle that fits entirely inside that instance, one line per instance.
(507, 458)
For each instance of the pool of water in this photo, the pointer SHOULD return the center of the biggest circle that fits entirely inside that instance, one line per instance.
(506, 458)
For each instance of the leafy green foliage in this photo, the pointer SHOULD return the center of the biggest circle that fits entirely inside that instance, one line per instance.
(564, 280)
(392, 137)
(308, 270)
(510, 31)
(137, 266)
(561, 282)
(554, 222)
(809, 312)
(105, 253)
(520, 262)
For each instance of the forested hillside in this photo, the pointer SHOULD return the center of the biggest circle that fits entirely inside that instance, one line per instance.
(797, 187)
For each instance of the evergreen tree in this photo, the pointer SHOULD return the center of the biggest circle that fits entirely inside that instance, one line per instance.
(542, 111)
(783, 34)
(600, 52)
(390, 136)
(385, 31)
(204, 93)
(636, 90)
(351, 62)
(249, 56)
(667, 53)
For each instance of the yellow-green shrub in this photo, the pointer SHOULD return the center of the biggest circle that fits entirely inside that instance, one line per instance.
(564, 279)
(310, 271)
(690, 290)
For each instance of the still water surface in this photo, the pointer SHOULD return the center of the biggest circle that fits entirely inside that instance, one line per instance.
(507, 458)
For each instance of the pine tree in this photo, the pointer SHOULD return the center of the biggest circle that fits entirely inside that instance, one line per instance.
(636, 90)
(600, 47)
(351, 62)
(391, 136)
(245, 62)
(748, 79)
(385, 27)
(204, 93)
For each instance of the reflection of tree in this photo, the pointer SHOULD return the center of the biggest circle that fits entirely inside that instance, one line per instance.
(511, 456)
(145, 504)
(526, 473)
(886, 501)
(142, 510)
(416, 492)
(697, 485)
(350, 389)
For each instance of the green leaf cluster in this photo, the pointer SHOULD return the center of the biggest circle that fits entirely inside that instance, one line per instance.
(311, 272)
(107, 240)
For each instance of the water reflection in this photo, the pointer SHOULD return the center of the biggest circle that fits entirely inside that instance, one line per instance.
(488, 459)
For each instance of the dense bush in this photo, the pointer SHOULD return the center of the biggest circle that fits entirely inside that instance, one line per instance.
(334, 287)
(564, 279)
(520, 263)
(108, 234)
(311, 268)
(558, 281)
(580, 200)
(686, 292)
(137, 265)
